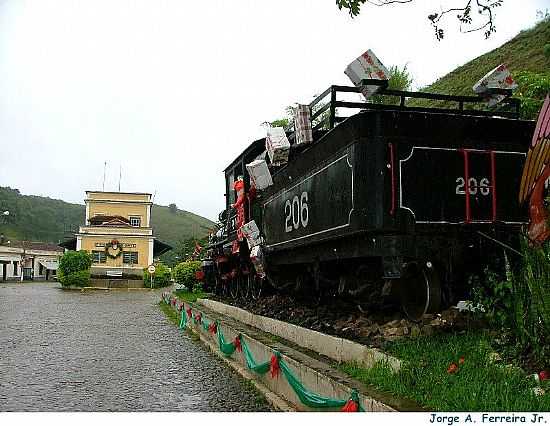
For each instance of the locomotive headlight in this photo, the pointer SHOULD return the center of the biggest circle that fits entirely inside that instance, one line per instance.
(429, 265)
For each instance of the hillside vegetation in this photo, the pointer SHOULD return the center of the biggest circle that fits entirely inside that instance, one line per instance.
(525, 53)
(45, 219)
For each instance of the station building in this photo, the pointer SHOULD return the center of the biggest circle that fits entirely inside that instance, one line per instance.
(28, 260)
(118, 234)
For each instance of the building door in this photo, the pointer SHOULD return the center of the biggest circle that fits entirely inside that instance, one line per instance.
(4, 271)
(27, 274)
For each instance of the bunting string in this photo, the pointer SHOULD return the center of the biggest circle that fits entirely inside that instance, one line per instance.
(275, 366)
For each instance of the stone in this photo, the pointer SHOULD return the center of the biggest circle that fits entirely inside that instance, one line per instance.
(538, 391)
(495, 357)
(427, 330)
(392, 324)
(395, 331)
(370, 331)
(450, 315)
(436, 322)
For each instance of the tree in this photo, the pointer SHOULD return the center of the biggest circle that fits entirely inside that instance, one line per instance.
(74, 268)
(532, 89)
(185, 273)
(173, 208)
(399, 79)
(161, 278)
(463, 10)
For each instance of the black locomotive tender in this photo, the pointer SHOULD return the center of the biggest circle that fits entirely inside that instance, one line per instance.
(394, 200)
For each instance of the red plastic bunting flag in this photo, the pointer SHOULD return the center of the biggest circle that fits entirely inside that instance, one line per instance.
(189, 313)
(274, 366)
(351, 406)
(213, 328)
(453, 368)
(237, 343)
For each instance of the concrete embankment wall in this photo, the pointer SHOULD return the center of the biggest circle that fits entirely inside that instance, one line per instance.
(339, 349)
(316, 374)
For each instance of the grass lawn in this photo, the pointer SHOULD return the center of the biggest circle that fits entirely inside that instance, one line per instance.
(170, 313)
(189, 296)
(480, 384)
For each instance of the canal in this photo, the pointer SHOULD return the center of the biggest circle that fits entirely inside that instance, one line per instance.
(106, 351)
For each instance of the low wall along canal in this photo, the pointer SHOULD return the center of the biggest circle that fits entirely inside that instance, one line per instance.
(106, 351)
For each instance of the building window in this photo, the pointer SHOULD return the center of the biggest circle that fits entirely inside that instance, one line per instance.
(15, 272)
(130, 257)
(135, 221)
(99, 256)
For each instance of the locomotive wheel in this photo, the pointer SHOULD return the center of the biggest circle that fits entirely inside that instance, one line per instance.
(234, 287)
(218, 285)
(257, 284)
(420, 291)
(244, 285)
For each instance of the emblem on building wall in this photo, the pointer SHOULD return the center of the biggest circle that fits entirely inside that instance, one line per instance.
(113, 249)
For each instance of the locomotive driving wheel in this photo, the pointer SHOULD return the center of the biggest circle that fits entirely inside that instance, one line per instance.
(244, 285)
(234, 286)
(420, 290)
(256, 283)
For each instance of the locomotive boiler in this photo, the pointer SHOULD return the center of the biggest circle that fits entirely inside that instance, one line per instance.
(390, 201)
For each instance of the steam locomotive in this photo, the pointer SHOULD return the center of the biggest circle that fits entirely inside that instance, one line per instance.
(391, 201)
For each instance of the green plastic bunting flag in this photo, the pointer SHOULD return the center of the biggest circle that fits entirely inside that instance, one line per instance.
(183, 320)
(226, 348)
(251, 363)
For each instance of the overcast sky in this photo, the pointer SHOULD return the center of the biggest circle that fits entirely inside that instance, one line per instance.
(173, 90)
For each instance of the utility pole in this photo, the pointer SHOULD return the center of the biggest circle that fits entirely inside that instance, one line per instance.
(104, 171)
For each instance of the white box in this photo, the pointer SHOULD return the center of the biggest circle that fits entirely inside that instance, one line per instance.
(259, 174)
(302, 124)
(277, 146)
(498, 78)
(257, 259)
(252, 234)
(367, 66)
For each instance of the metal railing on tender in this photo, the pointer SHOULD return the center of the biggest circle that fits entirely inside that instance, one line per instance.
(453, 104)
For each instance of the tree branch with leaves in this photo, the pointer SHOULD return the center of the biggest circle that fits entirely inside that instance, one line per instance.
(464, 16)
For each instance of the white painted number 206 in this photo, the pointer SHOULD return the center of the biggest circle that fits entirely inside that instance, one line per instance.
(473, 186)
(296, 212)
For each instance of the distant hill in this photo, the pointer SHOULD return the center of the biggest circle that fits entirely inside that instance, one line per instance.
(48, 220)
(525, 52)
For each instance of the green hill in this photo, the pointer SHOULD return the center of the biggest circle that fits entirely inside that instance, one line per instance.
(45, 219)
(524, 55)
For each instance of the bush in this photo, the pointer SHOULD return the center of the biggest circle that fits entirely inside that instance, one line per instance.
(184, 273)
(532, 89)
(161, 277)
(197, 288)
(76, 279)
(520, 304)
(74, 268)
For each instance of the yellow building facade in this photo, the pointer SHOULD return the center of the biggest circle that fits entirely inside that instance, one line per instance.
(118, 233)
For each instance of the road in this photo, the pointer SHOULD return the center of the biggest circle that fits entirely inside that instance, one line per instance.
(106, 351)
